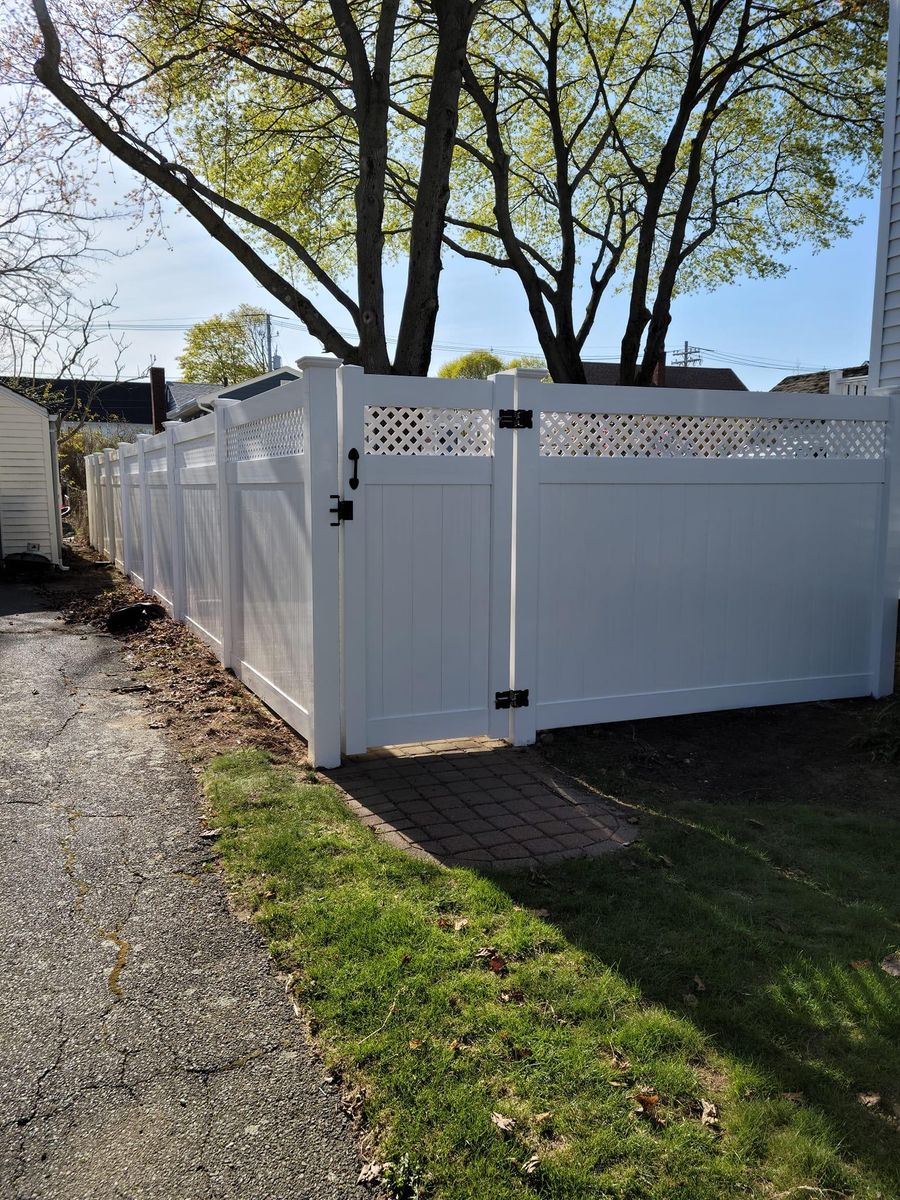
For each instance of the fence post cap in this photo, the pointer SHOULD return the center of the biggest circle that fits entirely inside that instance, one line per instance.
(312, 360)
(525, 372)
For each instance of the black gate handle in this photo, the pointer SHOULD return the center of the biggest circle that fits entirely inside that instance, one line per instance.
(354, 458)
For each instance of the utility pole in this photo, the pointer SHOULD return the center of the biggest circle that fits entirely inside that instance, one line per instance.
(690, 356)
(269, 366)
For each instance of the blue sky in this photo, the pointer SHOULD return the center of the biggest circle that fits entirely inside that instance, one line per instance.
(817, 316)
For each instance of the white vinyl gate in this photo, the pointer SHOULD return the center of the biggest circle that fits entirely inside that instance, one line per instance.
(388, 560)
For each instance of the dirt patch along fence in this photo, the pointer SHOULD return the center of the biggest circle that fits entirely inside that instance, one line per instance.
(388, 560)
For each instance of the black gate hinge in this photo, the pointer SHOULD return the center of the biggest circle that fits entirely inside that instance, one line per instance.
(516, 418)
(343, 510)
(511, 699)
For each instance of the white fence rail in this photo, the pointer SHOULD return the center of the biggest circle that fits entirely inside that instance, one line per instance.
(519, 555)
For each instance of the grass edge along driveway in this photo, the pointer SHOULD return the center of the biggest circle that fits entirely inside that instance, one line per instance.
(496, 1051)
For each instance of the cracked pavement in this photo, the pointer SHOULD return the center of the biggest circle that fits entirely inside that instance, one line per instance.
(147, 1050)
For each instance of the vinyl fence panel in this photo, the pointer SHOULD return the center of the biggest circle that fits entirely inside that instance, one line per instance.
(718, 552)
(387, 560)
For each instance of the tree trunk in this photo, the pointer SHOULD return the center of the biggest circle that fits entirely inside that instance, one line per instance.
(420, 307)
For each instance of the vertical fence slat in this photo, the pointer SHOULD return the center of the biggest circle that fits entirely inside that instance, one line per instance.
(176, 523)
(125, 493)
(351, 421)
(323, 541)
(227, 582)
(887, 577)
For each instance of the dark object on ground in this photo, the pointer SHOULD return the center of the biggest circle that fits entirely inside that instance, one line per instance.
(134, 616)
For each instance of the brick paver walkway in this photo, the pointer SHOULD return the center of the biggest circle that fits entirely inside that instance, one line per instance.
(479, 803)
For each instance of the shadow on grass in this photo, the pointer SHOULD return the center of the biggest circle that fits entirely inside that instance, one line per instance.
(763, 922)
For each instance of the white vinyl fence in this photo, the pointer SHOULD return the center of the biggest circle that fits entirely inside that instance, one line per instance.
(388, 560)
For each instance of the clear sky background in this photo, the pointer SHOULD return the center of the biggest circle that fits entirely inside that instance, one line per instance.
(818, 316)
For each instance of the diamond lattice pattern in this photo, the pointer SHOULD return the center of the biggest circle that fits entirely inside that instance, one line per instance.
(618, 435)
(447, 431)
(277, 436)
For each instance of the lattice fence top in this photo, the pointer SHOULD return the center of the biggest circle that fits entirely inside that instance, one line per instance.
(429, 431)
(618, 435)
(278, 436)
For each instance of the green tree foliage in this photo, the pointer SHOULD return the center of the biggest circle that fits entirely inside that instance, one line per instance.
(477, 364)
(660, 148)
(279, 127)
(586, 146)
(227, 348)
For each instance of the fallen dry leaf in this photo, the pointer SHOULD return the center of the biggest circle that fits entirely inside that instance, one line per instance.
(443, 922)
(796, 1097)
(860, 964)
(531, 1165)
(709, 1114)
(541, 1117)
(891, 964)
(370, 1173)
(504, 1124)
(415, 1044)
(455, 1045)
(619, 1062)
(869, 1099)
(460, 923)
(699, 985)
(617, 1083)
(497, 965)
(513, 996)
(648, 1100)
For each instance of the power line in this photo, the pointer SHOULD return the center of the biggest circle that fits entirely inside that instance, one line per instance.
(687, 356)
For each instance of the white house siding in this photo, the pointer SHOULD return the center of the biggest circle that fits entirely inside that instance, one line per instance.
(28, 505)
(884, 369)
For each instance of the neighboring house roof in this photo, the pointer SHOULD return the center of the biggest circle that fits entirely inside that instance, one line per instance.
(817, 382)
(106, 400)
(721, 379)
(181, 393)
(187, 400)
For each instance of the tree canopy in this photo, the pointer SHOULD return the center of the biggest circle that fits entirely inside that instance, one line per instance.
(479, 364)
(585, 146)
(226, 348)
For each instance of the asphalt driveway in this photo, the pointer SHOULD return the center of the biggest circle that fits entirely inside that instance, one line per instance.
(147, 1051)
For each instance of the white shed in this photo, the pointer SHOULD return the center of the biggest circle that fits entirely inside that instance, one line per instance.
(29, 479)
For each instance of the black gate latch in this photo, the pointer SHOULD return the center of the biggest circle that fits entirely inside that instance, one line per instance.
(343, 510)
(511, 699)
(515, 418)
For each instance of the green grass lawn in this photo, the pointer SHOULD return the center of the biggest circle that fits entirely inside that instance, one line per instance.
(731, 957)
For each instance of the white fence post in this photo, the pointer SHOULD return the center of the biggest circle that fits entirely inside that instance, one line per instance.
(887, 578)
(223, 496)
(146, 523)
(176, 522)
(125, 493)
(109, 522)
(352, 433)
(323, 542)
(501, 671)
(90, 492)
(525, 565)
